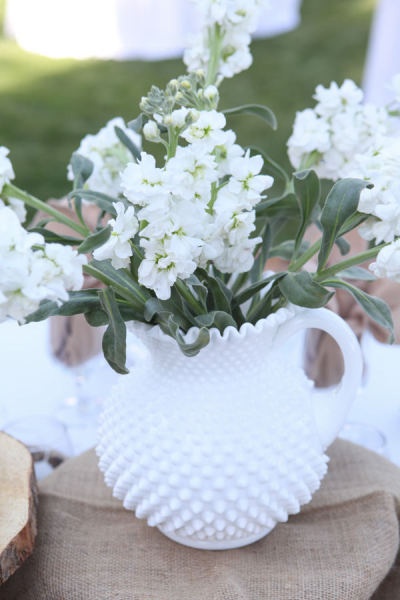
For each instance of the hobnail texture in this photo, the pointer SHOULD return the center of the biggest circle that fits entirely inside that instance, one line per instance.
(216, 449)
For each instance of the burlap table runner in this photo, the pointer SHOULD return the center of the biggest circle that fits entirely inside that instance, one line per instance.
(342, 546)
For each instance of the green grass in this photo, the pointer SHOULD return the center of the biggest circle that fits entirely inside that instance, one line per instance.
(47, 106)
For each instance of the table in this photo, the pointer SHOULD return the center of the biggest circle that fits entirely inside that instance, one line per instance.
(343, 545)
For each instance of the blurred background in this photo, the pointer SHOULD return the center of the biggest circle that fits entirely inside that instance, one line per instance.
(47, 105)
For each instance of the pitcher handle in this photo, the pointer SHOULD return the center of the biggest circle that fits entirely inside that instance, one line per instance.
(331, 407)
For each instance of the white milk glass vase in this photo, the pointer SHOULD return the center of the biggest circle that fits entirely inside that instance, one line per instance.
(218, 448)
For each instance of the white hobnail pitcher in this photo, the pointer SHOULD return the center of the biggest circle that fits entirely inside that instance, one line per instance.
(216, 449)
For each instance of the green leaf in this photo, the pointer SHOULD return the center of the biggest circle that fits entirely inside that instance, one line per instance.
(216, 318)
(262, 254)
(340, 205)
(82, 168)
(285, 207)
(343, 245)
(79, 302)
(257, 110)
(353, 222)
(154, 307)
(273, 168)
(198, 289)
(266, 304)
(172, 329)
(96, 239)
(126, 141)
(250, 291)
(138, 123)
(285, 250)
(357, 273)
(220, 294)
(120, 280)
(307, 191)
(301, 289)
(54, 238)
(114, 338)
(375, 308)
(97, 317)
(103, 201)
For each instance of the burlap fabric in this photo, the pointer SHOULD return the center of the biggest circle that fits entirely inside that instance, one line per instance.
(342, 546)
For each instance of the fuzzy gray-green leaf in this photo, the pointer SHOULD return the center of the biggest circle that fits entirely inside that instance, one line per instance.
(114, 338)
(340, 205)
(95, 240)
(257, 110)
(376, 308)
(301, 289)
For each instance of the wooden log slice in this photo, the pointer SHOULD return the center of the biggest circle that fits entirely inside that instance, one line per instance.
(18, 503)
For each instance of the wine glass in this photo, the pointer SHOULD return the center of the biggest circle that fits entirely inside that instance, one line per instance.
(45, 437)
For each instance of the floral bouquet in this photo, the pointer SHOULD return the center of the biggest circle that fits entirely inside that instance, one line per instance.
(185, 241)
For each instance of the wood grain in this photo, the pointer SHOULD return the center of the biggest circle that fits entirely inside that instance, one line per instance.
(18, 504)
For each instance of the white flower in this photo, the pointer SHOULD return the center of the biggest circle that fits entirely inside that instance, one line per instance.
(179, 118)
(234, 20)
(388, 262)
(124, 228)
(6, 169)
(164, 262)
(226, 151)
(380, 166)
(151, 131)
(207, 129)
(238, 258)
(310, 134)
(335, 99)
(246, 181)
(54, 270)
(236, 54)
(32, 271)
(191, 172)
(108, 155)
(329, 136)
(17, 206)
(143, 180)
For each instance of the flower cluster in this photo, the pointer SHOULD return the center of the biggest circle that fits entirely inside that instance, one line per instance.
(369, 150)
(108, 156)
(225, 32)
(329, 136)
(381, 167)
(195, 210)
(32, 270)
(387, 264)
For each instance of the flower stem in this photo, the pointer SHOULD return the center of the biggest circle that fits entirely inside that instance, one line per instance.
(215, 37)
(189, 297)
(357, 259)
(172, 142)
(13, 192)
(295, 265)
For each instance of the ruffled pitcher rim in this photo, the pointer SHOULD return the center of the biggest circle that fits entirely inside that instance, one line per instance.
(271, 322)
